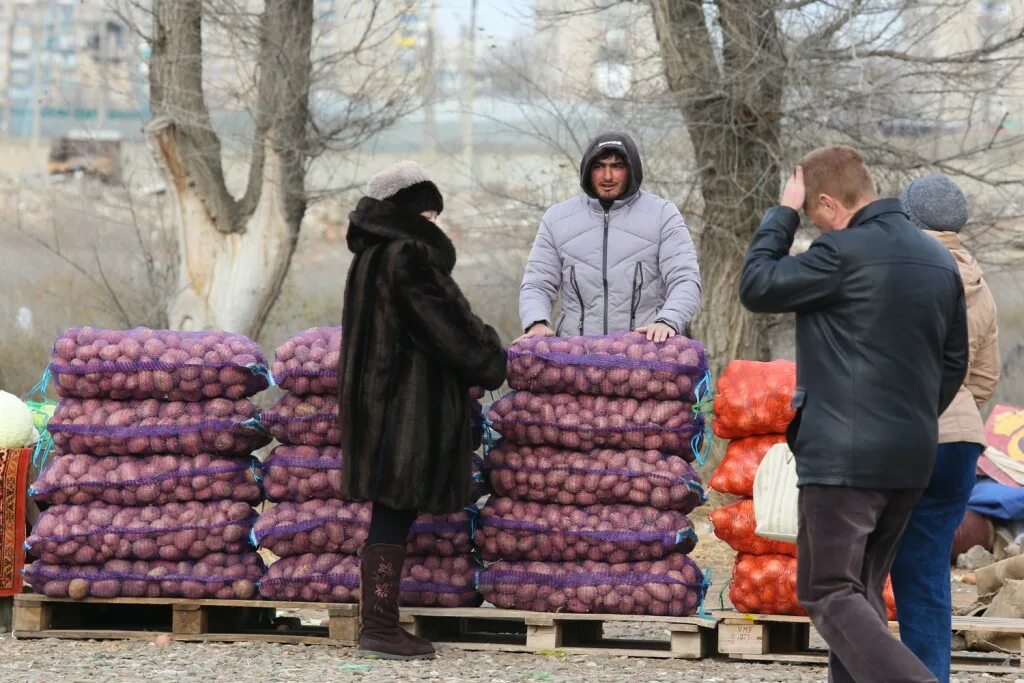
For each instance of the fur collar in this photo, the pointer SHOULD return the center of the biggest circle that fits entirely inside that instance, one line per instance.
(377, 222)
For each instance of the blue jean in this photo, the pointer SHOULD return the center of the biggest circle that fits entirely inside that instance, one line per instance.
(920, 574)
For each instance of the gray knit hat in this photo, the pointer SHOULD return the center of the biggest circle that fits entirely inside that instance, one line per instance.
(406, 185)
(934, 202)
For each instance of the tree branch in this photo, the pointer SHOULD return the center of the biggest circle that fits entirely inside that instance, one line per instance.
(181, 120)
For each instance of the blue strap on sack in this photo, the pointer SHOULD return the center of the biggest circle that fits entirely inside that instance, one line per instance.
(704, 586)
(42, 451)
(683, 534)
(39, 389)
(262, 371)
(44, 446)
(700, 444)
(474, 519)
(489, 440)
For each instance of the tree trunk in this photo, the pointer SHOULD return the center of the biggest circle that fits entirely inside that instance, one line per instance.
(732, 105)
(233, 254)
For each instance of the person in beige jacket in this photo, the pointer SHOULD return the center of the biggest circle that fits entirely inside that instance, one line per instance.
(920, 574)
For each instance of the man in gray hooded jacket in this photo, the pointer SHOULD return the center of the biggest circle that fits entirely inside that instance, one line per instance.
(620, 257)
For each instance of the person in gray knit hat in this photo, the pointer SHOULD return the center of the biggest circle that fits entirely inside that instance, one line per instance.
(412, 350)
(934, 202)
(920, 574)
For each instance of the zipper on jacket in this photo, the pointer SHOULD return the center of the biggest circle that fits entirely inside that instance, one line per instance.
(576, 288)
(604, 271)
(638, 286)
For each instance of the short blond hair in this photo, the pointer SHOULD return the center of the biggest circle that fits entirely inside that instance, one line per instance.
(838, 171)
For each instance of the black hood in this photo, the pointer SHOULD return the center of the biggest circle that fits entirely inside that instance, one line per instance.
(625, 147)
(376, 222)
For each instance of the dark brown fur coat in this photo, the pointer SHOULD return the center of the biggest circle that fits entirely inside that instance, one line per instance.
(412, 349)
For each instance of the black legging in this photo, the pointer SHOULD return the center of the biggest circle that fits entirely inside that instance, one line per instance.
(388, 525)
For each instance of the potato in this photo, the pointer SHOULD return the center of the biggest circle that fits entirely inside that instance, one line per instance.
(162, 364)
(517, 530)
(624, 364)
(207, 578)
(583, 422)
(336, 526)
(219, 426)
(672, 586)
(426, 581)
(308, 362)
(602, 476)
(98, 532)
(304, 420)
(80, 479)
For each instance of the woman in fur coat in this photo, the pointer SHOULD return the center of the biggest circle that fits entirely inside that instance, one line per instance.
(412, 350)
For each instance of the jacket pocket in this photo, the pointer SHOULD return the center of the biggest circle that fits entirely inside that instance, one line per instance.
(579, 296)
(638, 288)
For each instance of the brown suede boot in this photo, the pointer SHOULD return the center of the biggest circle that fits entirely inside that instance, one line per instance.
(380, 574)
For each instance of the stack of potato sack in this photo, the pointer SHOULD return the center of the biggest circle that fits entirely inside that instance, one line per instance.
(593, 478)
(753, 409)
(152, 486)
(311, 528)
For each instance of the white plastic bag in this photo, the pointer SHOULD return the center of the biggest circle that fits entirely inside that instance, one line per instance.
(775, 495)
(16, 430)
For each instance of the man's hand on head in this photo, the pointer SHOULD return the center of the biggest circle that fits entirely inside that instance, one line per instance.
(538, 329)
(657, 332)
(794, 193)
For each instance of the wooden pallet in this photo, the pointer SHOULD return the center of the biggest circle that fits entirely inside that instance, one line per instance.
(504, 630)
(38, 616)
(471, 628)
(785, 639)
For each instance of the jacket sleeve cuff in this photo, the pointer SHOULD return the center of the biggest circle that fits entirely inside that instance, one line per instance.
(786, 218)
(671, 324)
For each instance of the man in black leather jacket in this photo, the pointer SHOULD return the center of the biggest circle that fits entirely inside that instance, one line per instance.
(881, 349)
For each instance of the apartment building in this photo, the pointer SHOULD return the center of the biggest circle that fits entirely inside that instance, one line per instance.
(68, 58)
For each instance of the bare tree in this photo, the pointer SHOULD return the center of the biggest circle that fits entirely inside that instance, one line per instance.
(236, 247)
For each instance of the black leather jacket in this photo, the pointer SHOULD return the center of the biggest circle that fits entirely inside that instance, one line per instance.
(881, 343)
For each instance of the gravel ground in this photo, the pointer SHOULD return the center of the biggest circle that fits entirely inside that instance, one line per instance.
(71, 661)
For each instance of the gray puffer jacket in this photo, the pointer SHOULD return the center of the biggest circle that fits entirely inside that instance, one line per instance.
(616, 269)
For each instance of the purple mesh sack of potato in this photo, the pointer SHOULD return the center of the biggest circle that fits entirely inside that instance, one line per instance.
(584, 422)
(218, 576)
(302, 473)
(673, 586)
(308, 362)
(79, 479)
(304, 420)
(219, 426)
(95, 533)
(518, 530)
(605, 476)
(336, 526)
(624, 364)
(426, 581)
(161, 364)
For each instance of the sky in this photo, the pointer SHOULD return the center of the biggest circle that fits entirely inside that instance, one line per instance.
(502, 19)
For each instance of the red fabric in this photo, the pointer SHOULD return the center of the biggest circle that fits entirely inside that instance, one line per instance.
(13, 484)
